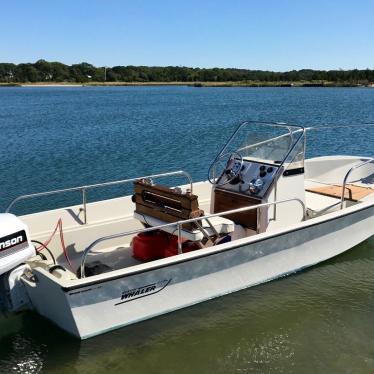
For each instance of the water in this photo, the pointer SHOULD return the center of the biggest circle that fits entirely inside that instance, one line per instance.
(320, 320)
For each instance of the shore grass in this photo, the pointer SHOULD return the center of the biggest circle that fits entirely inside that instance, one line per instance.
(10, 85)
(190, 84)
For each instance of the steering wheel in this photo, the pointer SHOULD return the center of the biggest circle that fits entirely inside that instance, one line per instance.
(229, 166)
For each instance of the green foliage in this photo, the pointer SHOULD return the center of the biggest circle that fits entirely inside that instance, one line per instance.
(44, 71)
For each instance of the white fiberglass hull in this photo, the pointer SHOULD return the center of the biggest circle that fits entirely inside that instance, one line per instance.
(101, 303)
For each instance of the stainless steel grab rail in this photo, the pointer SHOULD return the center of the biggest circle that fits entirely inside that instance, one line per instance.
(179, 226)
(84, 189)
(342, 199)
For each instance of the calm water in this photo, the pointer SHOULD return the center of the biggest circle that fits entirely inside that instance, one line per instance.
(320, 320)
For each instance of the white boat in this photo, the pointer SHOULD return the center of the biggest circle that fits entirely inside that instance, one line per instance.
(264, 213)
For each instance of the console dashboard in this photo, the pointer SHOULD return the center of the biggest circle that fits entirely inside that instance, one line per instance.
(245, 183)
(254, 178)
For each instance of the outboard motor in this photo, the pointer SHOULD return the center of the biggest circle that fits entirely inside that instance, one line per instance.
(15, 249)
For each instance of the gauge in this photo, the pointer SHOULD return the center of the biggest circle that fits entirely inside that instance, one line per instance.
(255, 185)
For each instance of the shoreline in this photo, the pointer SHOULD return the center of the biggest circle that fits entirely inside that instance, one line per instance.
(50, 85)
(189, 84)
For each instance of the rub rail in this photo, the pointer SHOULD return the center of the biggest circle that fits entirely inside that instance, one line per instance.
(84, 189)
(179, 226)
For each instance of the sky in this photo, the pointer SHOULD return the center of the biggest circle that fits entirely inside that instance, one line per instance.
(278, 35)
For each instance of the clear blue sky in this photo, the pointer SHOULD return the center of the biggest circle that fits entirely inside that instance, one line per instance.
(256, 34)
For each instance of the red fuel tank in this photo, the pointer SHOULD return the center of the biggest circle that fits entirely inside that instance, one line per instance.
(150, 246)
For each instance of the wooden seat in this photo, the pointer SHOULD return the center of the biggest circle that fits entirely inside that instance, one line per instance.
(165, 204)
(157, 205)
(352, 192)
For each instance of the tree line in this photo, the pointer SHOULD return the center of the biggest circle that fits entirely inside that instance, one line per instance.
(44, 71)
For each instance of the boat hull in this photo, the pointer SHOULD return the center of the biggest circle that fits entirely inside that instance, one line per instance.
(122, 299)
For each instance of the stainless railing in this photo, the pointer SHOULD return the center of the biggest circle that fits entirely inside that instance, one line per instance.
(178, 226)
(342, 199)
(84, 189)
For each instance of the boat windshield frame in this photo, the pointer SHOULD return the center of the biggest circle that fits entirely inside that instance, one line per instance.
(292, 129)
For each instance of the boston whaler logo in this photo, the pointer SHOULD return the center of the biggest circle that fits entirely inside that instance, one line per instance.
(12, 240)
(149, 289)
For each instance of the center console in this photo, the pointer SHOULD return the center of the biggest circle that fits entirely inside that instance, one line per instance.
(244, 183)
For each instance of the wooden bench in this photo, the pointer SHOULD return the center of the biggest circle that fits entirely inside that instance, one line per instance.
(351, 192)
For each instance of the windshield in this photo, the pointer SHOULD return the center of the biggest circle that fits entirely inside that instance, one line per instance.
(272, 143)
